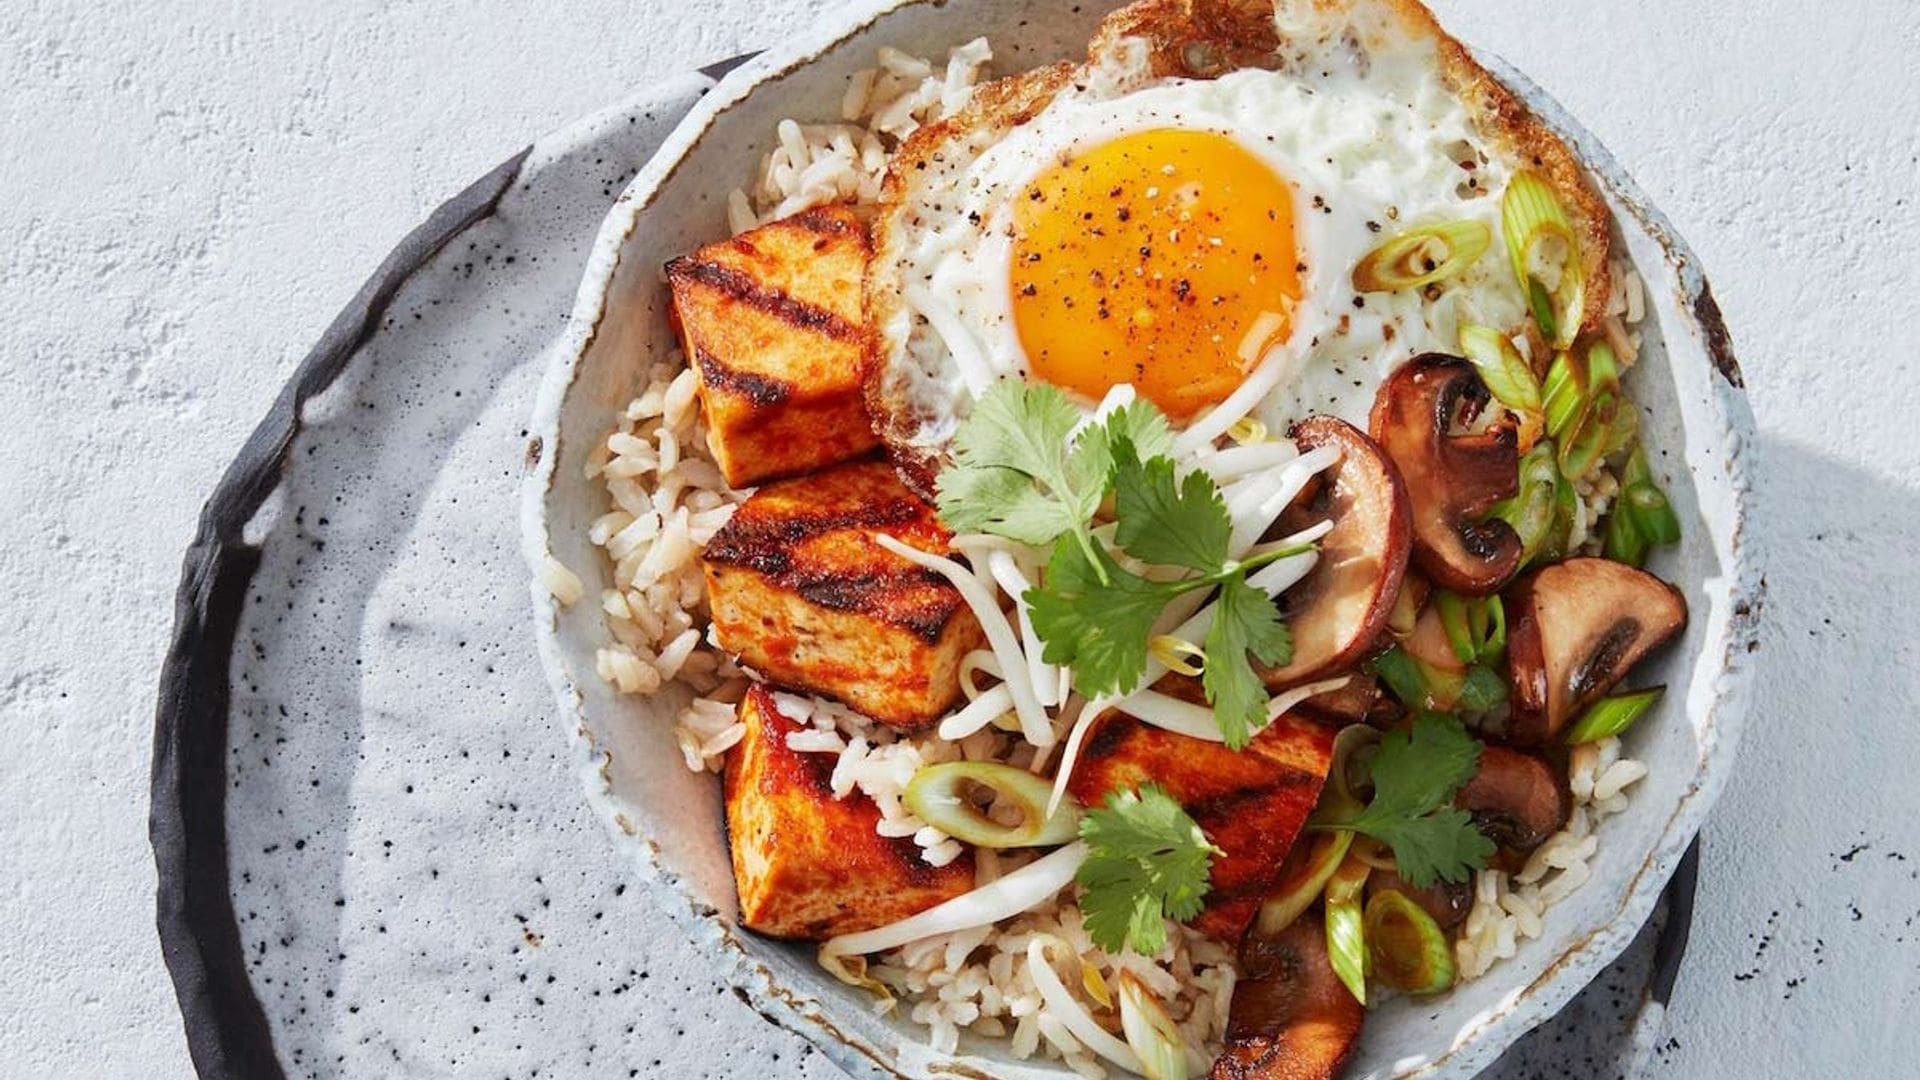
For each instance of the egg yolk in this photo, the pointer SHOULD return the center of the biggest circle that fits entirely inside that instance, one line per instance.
(1163, 258)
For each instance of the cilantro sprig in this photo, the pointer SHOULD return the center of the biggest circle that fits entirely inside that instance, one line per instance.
(1097, 617)
(1416, 774)
(1147, 861)
(1019, 471)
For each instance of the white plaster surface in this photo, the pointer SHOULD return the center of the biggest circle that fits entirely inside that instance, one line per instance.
(190, 190)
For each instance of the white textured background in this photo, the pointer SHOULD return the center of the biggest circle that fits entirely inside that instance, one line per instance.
(190, 190)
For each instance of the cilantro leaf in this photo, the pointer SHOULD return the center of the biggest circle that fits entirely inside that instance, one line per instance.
(1164, 522)
(1245, 621)
(1002, 501)
(1416, 774)
(1480, 690)
(1147, 861)
(1442, 845)
(1018, 430)
(1099, 628)
(1139, 423)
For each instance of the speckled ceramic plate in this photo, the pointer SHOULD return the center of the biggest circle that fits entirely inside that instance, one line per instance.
(1697, 428)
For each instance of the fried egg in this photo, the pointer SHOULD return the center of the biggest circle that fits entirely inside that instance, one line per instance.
(1109, 228)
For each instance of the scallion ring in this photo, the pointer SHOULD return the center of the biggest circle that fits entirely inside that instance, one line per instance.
(1408, 950)
(1476, 627)
(1346, 930)
(943, 796)
(1538, 235)
(1642, 500)
(1591, 434)
(1501, 367)
(1565, 394)
(1303, 879)
(1152, 1035)
(1420, 257)
(1531, 509)
(1348, 774)
(1612, 715)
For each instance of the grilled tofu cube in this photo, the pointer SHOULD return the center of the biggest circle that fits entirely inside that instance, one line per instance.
(1251, 803)
(808, 865)
(772, 321)
(802, 594)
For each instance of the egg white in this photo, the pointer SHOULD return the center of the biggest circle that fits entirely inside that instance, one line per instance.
(1371, 146)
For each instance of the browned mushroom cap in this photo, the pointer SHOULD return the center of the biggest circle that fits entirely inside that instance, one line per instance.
(1453, 478)
(1348, 705)
(1291, 1017)
(1447, 902)
(1338, 610)
(1574, 629)
(1516, 798)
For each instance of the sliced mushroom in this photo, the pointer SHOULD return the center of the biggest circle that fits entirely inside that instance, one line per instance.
(1291, 1017)
(1453, 476)
(1338, 611)
(1574, 630)
(1516, 798)
(1448, 902)
(1348, 705)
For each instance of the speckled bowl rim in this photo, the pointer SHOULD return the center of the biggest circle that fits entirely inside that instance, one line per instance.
(1593, 946)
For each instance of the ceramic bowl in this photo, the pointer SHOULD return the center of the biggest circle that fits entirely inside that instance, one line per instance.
(1697, 428)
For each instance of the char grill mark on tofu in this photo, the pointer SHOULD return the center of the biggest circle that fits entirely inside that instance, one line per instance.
(1251, 803)
(807, 865)
(772, 302)
(772, 323)
(802, 594)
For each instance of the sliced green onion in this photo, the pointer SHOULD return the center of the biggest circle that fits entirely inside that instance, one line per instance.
(1420, 685)
(1481, 689)
(1403, 676)
(1603, 371)
(1351, 770)
(1623, 542)
(1346, 931)
(1303, 878)
(1489, 625)
(1152, 1035)
(1635, 469)
(1565, 503)
(1583, 449)
(1532, 220)
(940, 796)
(1564, 394)
(1531, 510)
(1374, 853)
(1476, 627)
(1540, 302)
(1347, 880)
(1452, 609)
(1408, 949)
(1600, 425)
(1642, 501)
(1624, 429)
(1612, 715)
(1422, 256)
(1501, 367)
(1655, 516)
